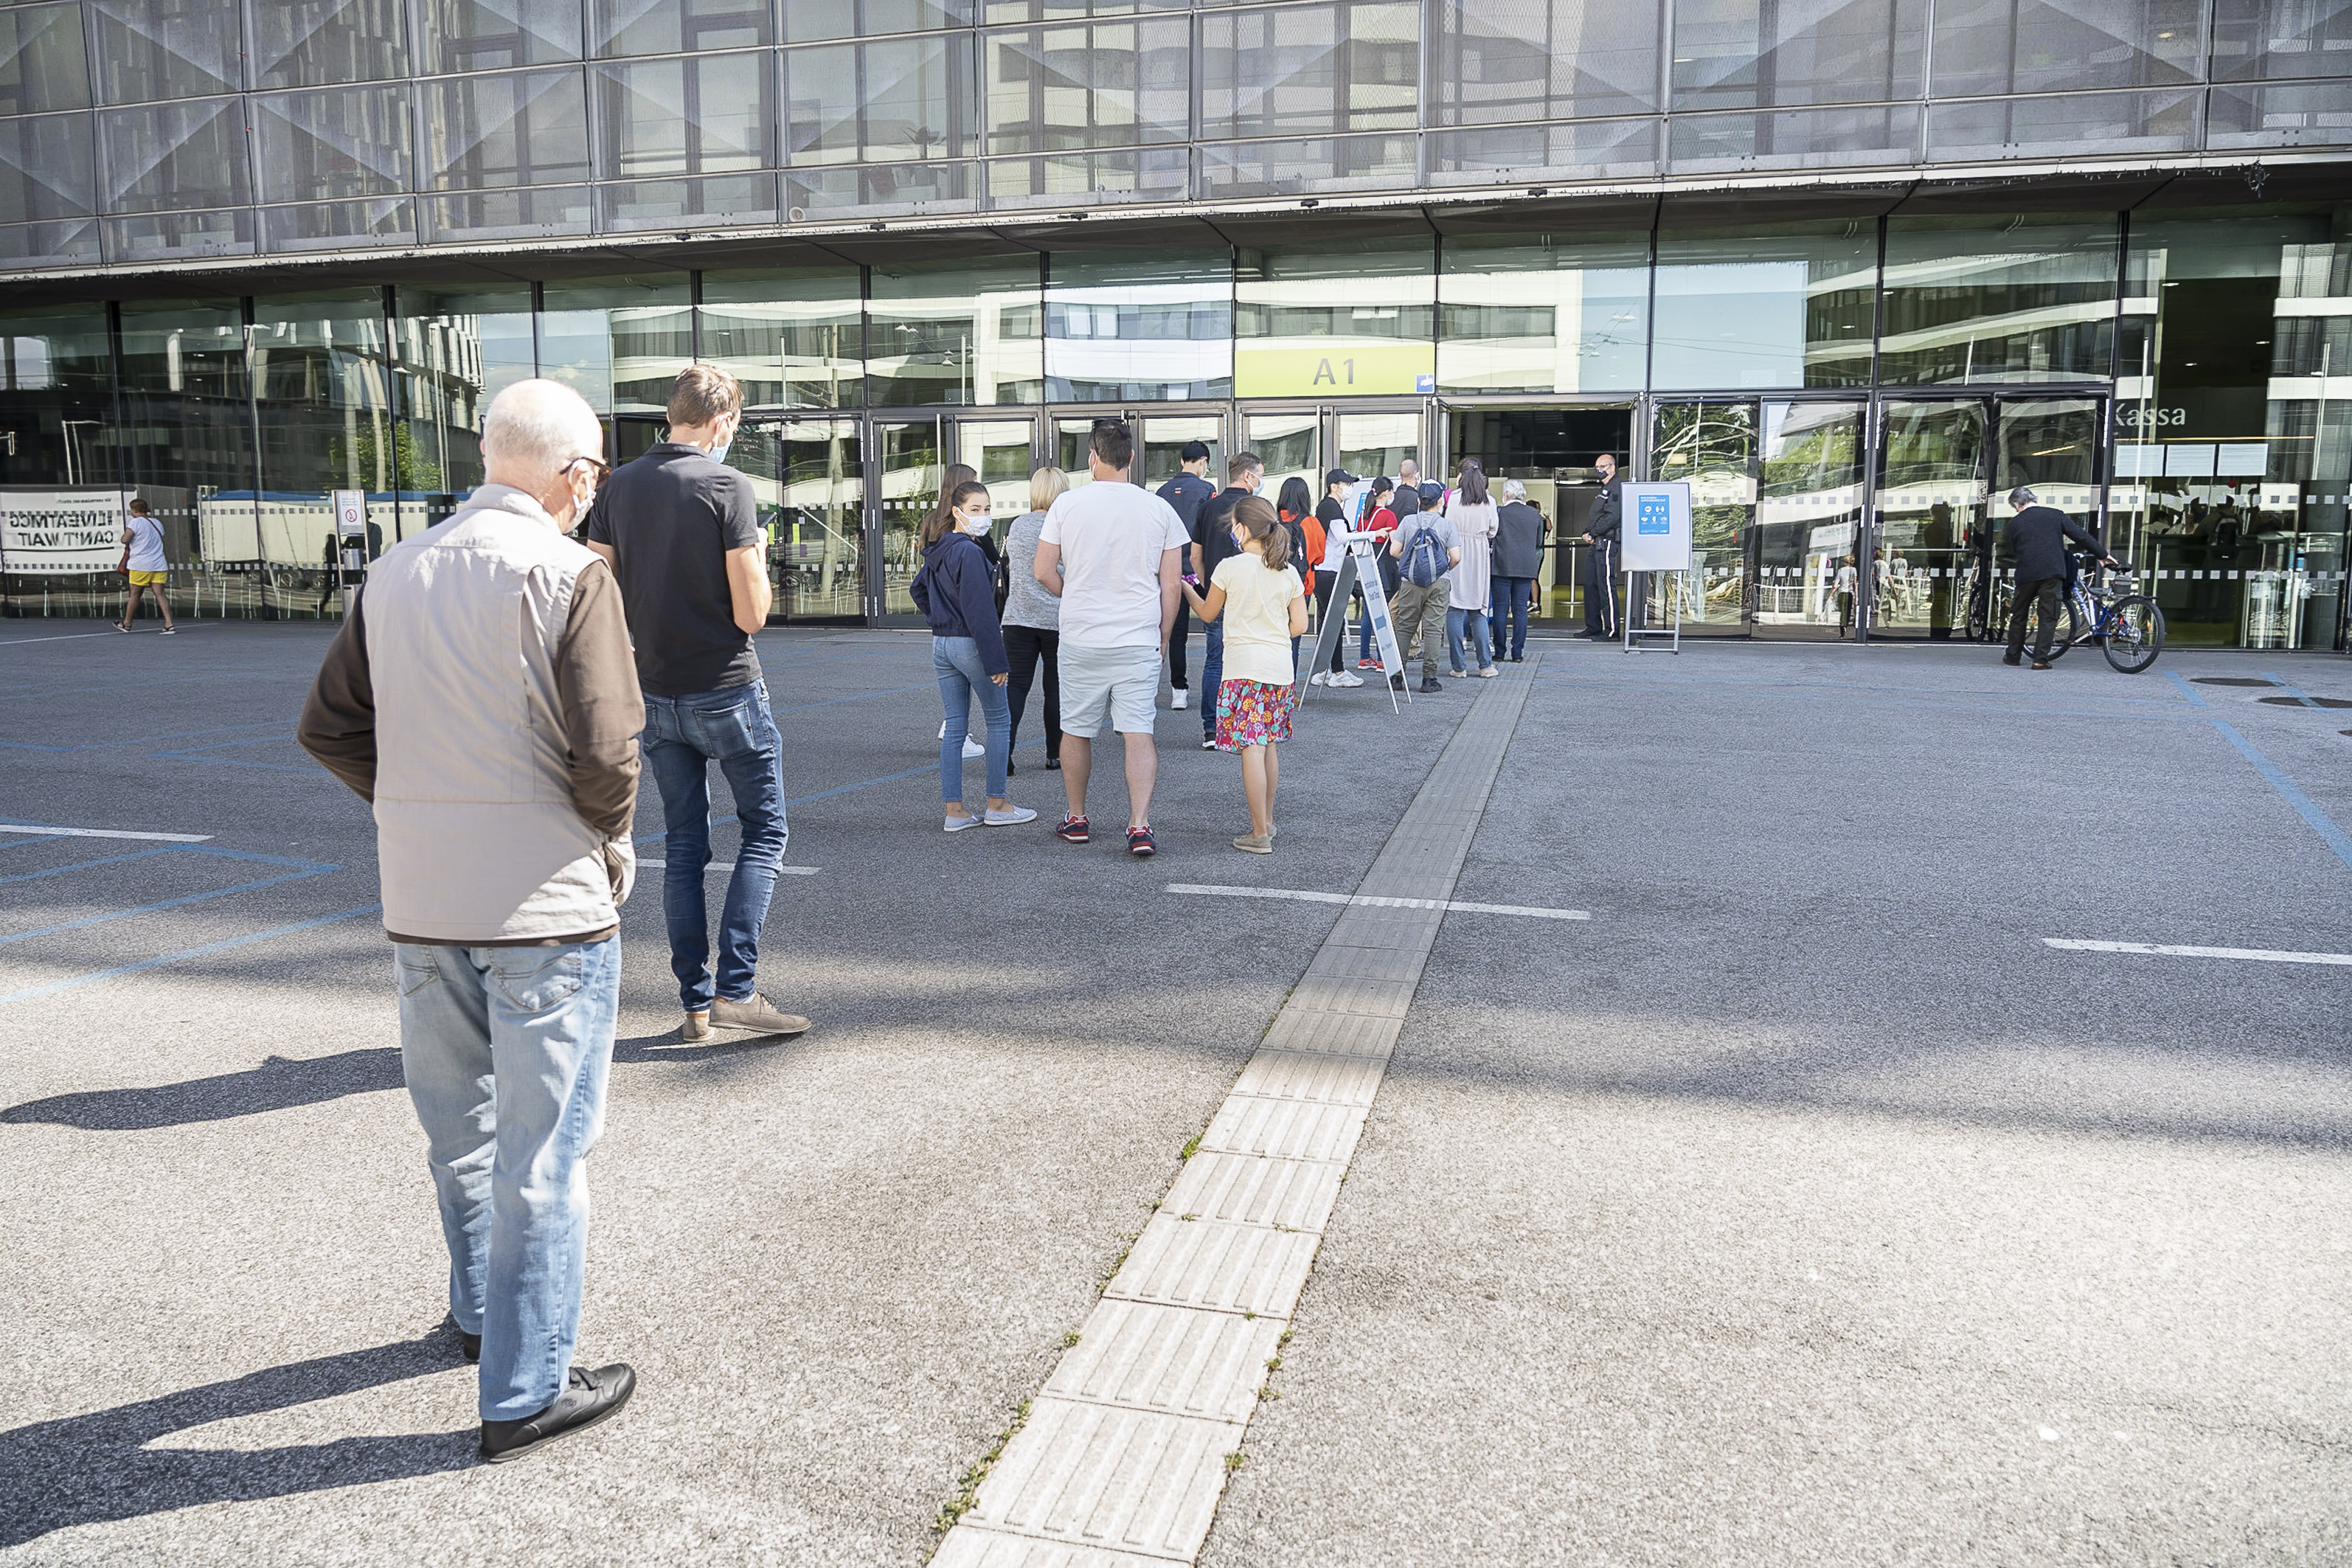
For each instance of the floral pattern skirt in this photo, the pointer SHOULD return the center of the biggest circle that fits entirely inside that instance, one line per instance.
(1253, 713)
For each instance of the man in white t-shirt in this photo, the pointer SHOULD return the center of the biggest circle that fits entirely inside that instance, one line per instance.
(1111, 552)
(143, 564)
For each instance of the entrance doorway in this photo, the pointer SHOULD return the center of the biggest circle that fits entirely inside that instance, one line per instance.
(1551, 451)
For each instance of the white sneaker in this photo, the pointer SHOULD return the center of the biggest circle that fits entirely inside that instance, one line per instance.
(944, 728)
(1178, 698)
(972, 748)
(1347, 678)
(1319, 678)
(1009, 817)
(958, 824)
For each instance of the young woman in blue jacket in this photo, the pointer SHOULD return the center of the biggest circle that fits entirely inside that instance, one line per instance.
(956, 591)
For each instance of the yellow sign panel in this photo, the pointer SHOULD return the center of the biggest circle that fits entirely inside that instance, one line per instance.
(1342, 369)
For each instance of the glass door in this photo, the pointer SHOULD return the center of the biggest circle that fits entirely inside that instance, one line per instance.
(1003, 452)
(907, 469)
(1807, 517)
(1371, 441)
(1162, 439)
(1290, 443)
(1935, 533)
(808, 478)
(1714, 446)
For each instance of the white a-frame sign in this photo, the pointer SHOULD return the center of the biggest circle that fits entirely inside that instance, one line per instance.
(1358, 569)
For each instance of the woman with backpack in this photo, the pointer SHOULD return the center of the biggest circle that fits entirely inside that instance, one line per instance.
(956, 592)
(1473, 516)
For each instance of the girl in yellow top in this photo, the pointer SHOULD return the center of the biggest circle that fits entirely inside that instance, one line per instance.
(1258, 595)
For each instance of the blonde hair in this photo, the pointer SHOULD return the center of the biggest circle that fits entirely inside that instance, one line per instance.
(1258, 520)
(1046, 486)
(701, 394)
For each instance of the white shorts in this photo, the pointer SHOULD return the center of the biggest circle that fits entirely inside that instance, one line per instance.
(1120, 685)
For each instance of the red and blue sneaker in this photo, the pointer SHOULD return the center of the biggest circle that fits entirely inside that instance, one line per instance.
(1139, 842)
(1073, 830)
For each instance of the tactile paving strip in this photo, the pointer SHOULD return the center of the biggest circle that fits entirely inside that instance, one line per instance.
(1125, 1450)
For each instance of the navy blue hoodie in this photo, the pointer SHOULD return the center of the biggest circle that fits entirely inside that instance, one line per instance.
(956, 591)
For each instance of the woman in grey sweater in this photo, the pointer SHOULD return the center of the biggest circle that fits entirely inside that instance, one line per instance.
(1032, 617)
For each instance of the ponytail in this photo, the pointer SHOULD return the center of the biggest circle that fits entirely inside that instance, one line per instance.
(1257, 519)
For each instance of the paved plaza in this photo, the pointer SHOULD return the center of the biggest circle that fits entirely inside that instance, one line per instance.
(1739, 1175)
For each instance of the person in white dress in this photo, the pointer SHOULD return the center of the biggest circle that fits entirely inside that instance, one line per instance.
(1472, 511)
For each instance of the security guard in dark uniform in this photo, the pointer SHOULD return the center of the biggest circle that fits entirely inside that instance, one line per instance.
(1601, 531)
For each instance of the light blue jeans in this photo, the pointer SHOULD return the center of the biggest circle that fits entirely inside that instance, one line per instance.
(1467, 621)
(506, 1050)
(956, 660)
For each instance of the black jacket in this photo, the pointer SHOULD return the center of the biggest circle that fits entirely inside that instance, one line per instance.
(2039, 535)
(1518, 539)
(955, 592)
(1606, 509)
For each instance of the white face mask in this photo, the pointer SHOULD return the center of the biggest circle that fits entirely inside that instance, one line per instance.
(719, 453)
(978, 527)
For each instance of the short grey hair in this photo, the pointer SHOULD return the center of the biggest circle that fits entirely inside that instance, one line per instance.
(539, 428)
(2021, 495)
(1514, 491)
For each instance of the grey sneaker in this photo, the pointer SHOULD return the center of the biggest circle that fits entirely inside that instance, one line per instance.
(695, 1030)
(753, 1014)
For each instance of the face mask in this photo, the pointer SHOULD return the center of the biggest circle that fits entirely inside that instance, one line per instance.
(975, 526)
(1241, 540)
(719, 453)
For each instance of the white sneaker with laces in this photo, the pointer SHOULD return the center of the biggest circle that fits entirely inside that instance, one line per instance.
(1178, 698)
(1319, 678)
(972, 748)
(1347, 678)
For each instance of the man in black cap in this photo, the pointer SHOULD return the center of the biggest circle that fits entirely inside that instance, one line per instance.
(2039, 534)
(1185, 492)
(1331, 511)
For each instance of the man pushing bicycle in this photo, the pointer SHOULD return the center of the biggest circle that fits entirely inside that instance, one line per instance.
(2039, 534)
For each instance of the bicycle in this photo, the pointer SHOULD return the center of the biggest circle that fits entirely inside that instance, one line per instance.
(2127, 625)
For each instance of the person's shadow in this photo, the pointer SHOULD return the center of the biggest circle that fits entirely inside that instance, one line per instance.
(103, 1466)
(281, 1083)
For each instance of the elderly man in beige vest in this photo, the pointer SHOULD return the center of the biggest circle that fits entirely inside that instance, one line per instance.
(482, 697)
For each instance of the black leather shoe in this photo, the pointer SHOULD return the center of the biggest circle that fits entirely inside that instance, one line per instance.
(2013, 658)
(1431, 683)
(469, 1344)
(590, 1397)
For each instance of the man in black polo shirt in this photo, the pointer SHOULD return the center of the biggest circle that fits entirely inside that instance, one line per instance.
(1212, 541)
(1185, 492)
(684, 539)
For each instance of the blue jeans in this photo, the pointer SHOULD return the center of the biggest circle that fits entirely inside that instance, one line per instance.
(1212, 674)
(684, 735)
(961, 676)
(1511, 598)
(506, 1050)
(1466, 621)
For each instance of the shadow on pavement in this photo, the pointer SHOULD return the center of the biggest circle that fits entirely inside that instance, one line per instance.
(282, 1083)
(95, 1468)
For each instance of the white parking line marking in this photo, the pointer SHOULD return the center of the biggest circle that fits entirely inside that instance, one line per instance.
(106, 833)
(730, 866)
(70, 636)
(1452, 906)
(2168, 949)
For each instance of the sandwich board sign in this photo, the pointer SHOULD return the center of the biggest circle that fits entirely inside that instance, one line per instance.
(1358, 568)
(1656, 536)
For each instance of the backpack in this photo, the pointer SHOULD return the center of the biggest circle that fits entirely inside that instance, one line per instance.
(1425, 558)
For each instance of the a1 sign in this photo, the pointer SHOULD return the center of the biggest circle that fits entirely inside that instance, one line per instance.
(351, 513)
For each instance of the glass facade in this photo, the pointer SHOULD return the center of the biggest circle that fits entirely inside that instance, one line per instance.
(133, 131)
(1849, 394)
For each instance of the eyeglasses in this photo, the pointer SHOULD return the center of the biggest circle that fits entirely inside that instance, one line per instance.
(602, 471)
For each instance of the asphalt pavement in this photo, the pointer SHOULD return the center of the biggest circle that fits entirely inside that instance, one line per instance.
(1801, 1205)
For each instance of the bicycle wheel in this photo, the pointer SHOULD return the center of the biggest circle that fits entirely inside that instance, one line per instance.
(2135, 633)
(2069, 628)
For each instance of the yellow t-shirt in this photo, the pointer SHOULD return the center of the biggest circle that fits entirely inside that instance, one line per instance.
(1257, 618)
